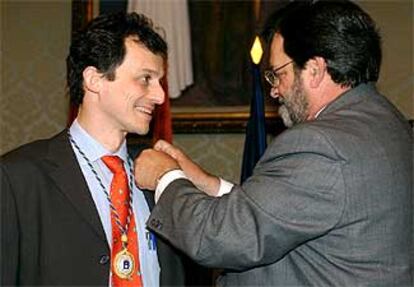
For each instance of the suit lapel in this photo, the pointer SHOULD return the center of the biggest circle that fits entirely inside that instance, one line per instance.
(66, 173)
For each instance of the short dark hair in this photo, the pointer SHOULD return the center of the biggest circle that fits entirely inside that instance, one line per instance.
(338, 31)
(101, 44)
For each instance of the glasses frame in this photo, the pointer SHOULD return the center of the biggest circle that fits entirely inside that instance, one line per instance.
(272, 77)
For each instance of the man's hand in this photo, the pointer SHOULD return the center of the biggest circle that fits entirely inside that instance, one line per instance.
(200, 178)
(150, 165)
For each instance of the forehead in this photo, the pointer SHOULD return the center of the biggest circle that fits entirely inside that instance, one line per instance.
(277, 52)
(139, 56)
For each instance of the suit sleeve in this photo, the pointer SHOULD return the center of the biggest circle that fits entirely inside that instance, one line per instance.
(296, 193)
(9, 232)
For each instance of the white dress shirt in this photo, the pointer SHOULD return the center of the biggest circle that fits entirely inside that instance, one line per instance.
(170, 176)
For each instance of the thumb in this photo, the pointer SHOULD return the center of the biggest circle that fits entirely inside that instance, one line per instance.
(168, 148)
(161, 145)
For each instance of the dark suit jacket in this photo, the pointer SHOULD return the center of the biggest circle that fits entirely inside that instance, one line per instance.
(51, 233)
(329, 204)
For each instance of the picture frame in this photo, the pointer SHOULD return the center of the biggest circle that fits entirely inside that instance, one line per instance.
(208, 113)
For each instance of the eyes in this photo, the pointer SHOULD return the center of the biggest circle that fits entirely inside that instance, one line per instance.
(148, 77)
(145, 79)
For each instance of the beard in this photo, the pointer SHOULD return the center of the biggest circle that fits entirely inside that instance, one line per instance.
(294, 104)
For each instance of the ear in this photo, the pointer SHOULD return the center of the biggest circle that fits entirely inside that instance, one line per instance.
(92, 79)
(316, 71)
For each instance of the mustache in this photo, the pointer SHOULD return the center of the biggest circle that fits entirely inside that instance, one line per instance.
(280, 101)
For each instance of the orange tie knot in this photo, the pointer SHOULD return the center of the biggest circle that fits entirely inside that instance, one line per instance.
(114, 163)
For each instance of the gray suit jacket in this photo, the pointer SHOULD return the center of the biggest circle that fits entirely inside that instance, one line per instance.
(329, 204)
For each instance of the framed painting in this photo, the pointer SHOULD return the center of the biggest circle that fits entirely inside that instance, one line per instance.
(222, 33)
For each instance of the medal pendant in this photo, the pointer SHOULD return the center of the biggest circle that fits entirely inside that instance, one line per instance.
(124, 264)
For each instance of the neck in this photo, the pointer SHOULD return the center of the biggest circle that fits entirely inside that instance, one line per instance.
(325, 97)
(110, 137)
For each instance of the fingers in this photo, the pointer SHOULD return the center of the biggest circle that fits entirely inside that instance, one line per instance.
(169, 149)
(149, 165)
(163, 150)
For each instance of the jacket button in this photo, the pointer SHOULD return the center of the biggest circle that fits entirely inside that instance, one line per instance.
(103, 259)
(156, 223)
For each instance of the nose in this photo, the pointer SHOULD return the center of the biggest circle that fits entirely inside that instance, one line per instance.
(158, 94)
(274, 92)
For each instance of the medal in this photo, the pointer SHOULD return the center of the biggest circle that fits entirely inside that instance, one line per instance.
(124, 264)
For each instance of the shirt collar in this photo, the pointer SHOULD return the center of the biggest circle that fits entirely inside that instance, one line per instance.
(93, 149)
(320, 111)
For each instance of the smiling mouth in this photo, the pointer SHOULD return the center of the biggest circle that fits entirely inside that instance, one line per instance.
(144, 110)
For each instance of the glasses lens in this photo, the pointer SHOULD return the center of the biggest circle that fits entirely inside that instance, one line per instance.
(271, 78)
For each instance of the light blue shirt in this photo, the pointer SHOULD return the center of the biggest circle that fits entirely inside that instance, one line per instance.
(93, 150)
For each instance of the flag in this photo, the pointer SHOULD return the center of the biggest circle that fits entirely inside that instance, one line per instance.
(255, 141)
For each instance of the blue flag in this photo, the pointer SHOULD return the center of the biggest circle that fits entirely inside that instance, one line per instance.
(255, 141)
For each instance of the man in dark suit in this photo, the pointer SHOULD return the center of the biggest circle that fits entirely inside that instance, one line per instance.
(58, 213)
(330, 201)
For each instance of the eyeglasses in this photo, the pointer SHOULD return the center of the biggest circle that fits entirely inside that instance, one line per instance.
(272, 77)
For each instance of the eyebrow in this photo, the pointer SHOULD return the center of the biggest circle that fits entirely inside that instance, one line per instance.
(152, 72)
(277, 68)
(149, 71)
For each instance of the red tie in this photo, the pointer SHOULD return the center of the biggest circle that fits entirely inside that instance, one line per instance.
(125, 256)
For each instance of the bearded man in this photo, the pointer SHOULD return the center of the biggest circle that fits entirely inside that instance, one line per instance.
(329, 203)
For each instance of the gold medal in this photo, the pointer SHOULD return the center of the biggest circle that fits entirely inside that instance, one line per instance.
(124, 264)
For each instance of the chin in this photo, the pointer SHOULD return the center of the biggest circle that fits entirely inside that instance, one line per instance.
(285, 115)
(138, 129)
(140, 133)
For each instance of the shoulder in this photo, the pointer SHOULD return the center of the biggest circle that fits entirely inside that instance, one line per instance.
(32, 152)
(311, 137)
